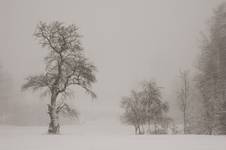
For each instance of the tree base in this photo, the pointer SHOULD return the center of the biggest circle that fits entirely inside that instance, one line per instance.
(54, 129)
(54, 126)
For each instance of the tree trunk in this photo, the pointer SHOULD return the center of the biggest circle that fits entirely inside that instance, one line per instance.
(155, 126)
(149, 127)
(54, 126)
(135, 127)
(185, 123)
(139, 131)
(142, 127)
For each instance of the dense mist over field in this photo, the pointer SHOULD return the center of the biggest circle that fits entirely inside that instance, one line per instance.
(129, 41)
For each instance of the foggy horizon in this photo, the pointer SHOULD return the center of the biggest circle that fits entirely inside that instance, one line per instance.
(128, 41)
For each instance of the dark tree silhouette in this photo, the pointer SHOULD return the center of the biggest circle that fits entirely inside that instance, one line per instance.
(212, 73)
(66, 65)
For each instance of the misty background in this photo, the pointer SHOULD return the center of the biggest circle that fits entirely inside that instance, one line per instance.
(128, 41)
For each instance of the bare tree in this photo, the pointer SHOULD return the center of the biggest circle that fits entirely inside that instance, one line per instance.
(183, 96)
(134, 114)
(145, 108)
(160, 119)
(152, 102)
(66, 65)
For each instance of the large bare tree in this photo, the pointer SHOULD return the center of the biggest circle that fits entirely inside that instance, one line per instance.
(66, 65)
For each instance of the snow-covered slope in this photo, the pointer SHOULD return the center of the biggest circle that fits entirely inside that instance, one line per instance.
(95, 137)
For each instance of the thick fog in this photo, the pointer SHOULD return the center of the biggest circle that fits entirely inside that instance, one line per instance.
(128, 41)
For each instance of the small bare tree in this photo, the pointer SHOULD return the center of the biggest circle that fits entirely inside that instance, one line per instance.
(151, 100)
(145, 108)
(65, 66)
(134, 113)
(183, 96)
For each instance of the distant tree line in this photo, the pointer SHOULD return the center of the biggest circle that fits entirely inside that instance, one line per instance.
(204, 101)
(211, 78)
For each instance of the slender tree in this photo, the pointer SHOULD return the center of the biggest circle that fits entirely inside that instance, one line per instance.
(183, 96)
(6, 104)
(66, 65)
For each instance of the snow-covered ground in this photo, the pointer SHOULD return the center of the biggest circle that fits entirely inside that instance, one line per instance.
(96, 137)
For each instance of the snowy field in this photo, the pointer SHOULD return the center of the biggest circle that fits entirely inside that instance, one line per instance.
(94, 137)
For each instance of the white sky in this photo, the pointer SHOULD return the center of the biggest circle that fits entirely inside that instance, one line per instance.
(128, 40)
